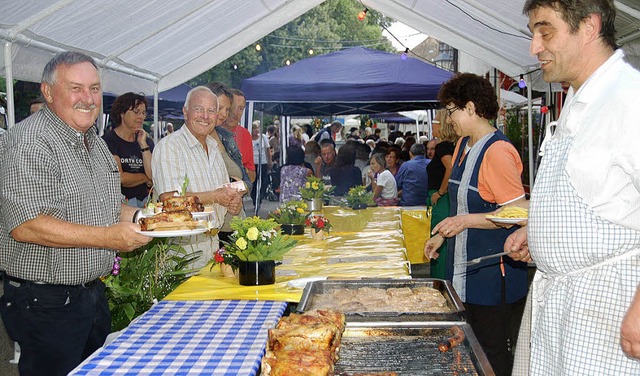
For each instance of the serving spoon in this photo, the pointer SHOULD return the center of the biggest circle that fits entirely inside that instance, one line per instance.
(477, 260)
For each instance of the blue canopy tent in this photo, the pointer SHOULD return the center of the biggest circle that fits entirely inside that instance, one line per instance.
(352, 81)
(170, 102)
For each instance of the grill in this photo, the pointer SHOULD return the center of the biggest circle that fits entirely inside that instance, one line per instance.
(409, 351)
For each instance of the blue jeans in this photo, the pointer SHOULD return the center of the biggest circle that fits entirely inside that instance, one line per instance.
(57, 326)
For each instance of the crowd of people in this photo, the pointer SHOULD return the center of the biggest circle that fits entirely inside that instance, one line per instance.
(70, 200)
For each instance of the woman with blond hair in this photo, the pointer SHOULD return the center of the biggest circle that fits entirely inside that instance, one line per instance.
(438, 172)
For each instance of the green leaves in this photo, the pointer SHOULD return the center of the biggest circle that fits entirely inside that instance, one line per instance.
(267, 243)
(149, 273)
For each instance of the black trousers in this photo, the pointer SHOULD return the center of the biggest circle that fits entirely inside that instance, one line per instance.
(57, 326)
(496, 328)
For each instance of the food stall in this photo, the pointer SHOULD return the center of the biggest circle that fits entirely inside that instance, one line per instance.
(210, 324)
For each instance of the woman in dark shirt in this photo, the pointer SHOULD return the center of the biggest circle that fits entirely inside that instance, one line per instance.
(345, 174)
(438, 171)
(131, 147)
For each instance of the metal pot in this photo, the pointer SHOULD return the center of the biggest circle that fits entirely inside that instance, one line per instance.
(315, 205)
(290, 229)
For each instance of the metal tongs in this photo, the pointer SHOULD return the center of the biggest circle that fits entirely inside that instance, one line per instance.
(477, 260)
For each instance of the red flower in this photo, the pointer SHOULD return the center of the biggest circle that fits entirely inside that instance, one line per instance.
(218, 256)
(320, 223)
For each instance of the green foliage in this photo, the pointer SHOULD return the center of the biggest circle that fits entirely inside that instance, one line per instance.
(315, 188)
(256, 239)
(292, 212)
(147, 274)
(358, 195)
(329, 27)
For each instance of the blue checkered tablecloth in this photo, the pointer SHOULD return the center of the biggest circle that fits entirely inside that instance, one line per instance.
(220, 337)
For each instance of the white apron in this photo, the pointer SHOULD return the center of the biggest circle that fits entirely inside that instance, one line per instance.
(588, 270)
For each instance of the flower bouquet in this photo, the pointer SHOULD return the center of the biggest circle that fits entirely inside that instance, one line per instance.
(359, 198)
(319, 226)
(314, 191)
(257, 244)
(291, 215)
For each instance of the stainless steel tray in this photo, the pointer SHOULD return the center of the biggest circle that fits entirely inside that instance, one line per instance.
(409, 350)
(316, 288)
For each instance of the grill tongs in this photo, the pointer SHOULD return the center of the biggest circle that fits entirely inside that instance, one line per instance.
(477, 260)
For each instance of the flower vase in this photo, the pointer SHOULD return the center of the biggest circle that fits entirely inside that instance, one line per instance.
(358, 206)
(317, 234)
(254, 273)
(227, 271)
(315, 205)
(290, 229)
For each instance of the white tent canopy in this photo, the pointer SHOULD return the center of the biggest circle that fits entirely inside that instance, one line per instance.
(157, 45)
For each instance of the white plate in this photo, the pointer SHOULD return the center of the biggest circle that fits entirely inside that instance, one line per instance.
(201, 215)
(507, 221)
(172, 233)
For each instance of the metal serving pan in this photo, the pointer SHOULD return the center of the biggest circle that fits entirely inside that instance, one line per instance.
(409, 350)
(456, 310)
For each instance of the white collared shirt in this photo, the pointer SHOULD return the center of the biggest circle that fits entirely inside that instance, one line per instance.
(604, 164)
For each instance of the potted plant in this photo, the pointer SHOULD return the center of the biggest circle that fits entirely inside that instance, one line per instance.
(144, 276)
(257, 245)
(291, 216)
(228, 262)
(319, 224)
(315, 192)
(359, 198)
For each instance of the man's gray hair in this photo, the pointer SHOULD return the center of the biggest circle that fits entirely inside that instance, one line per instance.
(196, 89)
(64, 58)
(417, 149)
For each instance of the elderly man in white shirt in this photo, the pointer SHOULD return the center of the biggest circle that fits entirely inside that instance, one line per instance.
(191, 152)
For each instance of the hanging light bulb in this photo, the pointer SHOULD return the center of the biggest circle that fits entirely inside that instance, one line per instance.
(288, 62)
(404, 54)
(522, 84)
(362, 14)
(310, 51)
(258, 47)
(235, 66)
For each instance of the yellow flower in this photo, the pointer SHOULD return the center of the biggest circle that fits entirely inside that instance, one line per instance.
(314, 185)
(307, 185)
(241, 243)
(252, 233)
(300, 210)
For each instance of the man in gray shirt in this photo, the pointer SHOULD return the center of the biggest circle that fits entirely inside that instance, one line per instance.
(61, 222)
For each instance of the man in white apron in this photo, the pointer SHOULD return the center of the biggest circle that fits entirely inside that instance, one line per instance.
(584, 221)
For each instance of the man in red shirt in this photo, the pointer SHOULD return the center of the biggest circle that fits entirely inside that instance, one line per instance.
(242, 135)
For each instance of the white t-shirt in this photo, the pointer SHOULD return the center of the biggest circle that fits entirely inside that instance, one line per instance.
(388, 183)
(260, 153)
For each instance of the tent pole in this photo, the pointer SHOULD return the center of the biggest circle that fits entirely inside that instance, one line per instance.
(530, 132)
(156, 126)
(11, 116)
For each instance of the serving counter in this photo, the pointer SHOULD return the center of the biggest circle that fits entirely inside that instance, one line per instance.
(362, 243)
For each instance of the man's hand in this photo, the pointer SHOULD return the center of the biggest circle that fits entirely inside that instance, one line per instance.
(224, 195)
(518, 246)
(235, 206)
(123, 237)
(630, 329)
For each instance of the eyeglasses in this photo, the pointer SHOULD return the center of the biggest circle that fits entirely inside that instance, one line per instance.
(200, 110)
(139, 112)
(451, 110)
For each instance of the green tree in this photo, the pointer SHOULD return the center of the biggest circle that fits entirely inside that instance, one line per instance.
(329, 27)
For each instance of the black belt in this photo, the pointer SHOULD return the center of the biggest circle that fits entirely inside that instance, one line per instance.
(24, 281)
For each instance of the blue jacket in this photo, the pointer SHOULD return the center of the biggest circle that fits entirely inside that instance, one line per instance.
(412, 180)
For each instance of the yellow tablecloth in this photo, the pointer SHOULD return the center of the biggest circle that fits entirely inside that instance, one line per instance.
(362, 243)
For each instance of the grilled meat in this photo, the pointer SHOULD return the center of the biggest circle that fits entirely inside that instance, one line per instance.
(176, 220)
